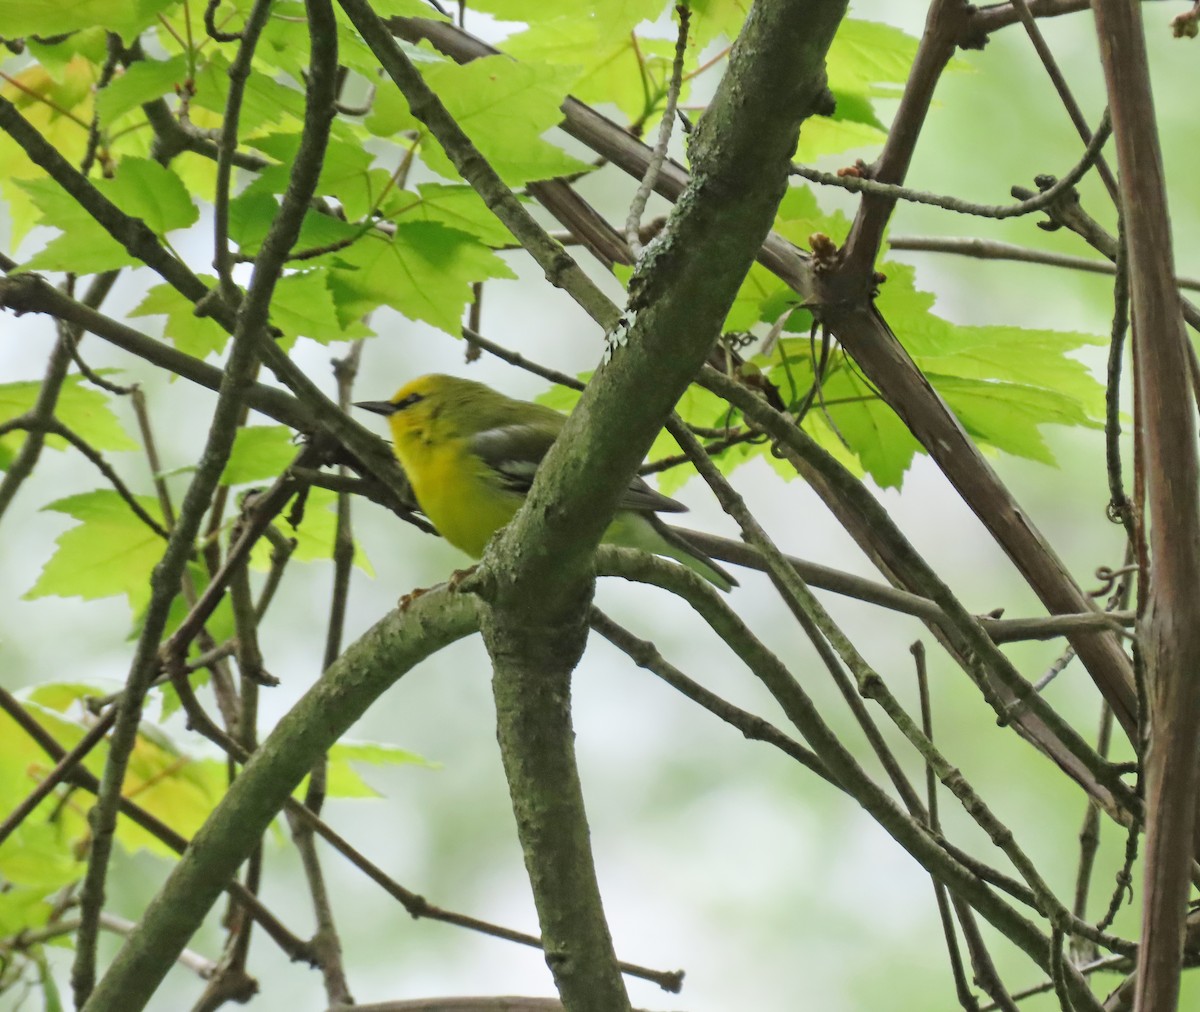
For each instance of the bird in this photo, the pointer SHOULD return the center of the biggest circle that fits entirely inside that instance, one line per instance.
(471, 454)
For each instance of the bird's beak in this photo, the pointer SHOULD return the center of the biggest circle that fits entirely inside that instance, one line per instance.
(378, 407)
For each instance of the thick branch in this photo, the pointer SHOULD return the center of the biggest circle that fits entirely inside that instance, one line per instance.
(537, 576)
(1168, 459)
(391, 648)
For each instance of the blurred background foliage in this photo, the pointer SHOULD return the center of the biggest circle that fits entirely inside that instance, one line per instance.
(772, 890)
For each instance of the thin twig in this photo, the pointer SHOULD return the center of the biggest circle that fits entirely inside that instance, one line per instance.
(413, 903)
(1064, 91)
(200, 965)
(994, 674)
(1089, 837)
(827, 638)
(645, 655)
(210, 24)
(239, 74)
(52, 426)
(326, 942)
(258, 512)
(53, 379)
(1119, 506)
(962, 987)
(858, 184)
(80, 776)
(560, 269)
(282, 548)
(990, 249)
(513, 358)
(64, 767)
(637, 207)
(985, 20)
(249, 341)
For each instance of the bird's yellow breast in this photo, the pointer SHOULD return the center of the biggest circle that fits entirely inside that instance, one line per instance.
(456, 490)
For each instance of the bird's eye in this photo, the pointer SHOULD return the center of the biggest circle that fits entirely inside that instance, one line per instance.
(407, 402)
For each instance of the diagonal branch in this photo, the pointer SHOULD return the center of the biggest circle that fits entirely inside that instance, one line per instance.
(561, 270)
(392, 647)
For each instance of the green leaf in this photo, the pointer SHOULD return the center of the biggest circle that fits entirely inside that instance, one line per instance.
(265, 102)
(303, 306)
(746, 311)
(697, 406)
(57, 54)
(1008, 416)
(609, 63)
(109, 552)
(260, 453)
(141, 82)
(81, 407)
(252, 212)
(716, 18)
(61, 696)
(504, 107)
(86, 248)
(143, 188)
(1032, 358)
(42, 98)
(869, 58)
(1003, 383)
(22, 907)
(140, 187)
(345, 171)
(866, 61)
(197, 335)
(344, 781)
(425, 271)
(831, 135)
(455, 206)
(284, 44)
(879, 439)
(38, 856)
(19, 18)
(179, 789)
(799, 216)
(314, 539)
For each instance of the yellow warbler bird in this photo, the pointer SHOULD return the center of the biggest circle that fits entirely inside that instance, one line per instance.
(471, 454)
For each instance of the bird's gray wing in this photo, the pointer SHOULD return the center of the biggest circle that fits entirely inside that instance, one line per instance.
(513, 454)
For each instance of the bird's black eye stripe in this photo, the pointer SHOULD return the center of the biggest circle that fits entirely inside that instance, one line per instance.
(387, 408)
(407, 402)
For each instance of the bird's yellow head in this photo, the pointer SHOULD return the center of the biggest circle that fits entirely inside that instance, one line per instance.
(439, 408)
(429, 407)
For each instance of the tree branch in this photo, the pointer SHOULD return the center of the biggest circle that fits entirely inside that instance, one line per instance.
(535, 579)
(386, 652)
(1168, 451)
(560, 268)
